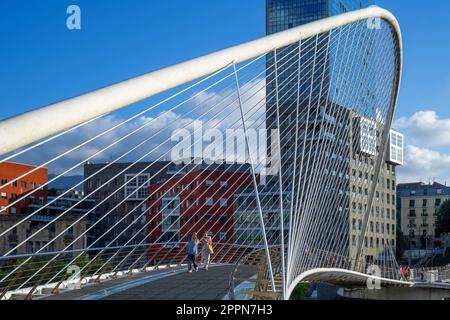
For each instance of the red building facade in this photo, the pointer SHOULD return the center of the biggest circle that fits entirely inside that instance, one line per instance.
(200, 201)
(11, 191)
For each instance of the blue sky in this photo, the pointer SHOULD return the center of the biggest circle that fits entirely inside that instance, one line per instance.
(41, 61)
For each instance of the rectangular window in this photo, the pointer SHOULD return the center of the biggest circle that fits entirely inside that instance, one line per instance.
(136, 186)
(23, 184)
(223, 219)
(223, 202)
(209, 201)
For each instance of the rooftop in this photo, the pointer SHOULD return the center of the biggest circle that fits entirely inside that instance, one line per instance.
(422, 189)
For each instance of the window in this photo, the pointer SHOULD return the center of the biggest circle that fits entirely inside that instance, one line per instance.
(223, 202)
(223, 219)
(32, 185)
(209, 183)
(412, 203)
(223, 236)
(4, 196)
(136, 186)
(437, 202)
(209, 201)
(23, 184)
(223, 184)
(4, 181)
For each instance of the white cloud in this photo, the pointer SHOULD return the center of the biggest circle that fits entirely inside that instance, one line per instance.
(425, 128)
(422, 164)
(215, 109)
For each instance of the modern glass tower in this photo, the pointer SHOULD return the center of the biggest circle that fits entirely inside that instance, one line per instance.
(286, 14)
(307, 86)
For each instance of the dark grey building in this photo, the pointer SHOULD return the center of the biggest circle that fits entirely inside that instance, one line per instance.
(119, 190)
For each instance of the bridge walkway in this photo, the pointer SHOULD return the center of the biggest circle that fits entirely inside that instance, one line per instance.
(164, 284)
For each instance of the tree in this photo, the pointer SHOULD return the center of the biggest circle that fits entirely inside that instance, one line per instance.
(402, 243)
(443, 219)
(300, 291)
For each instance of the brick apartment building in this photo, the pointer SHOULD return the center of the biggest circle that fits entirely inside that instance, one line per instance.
(199, 201)
(12, 190)
(29, 219)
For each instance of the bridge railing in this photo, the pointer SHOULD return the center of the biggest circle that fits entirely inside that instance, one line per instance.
(35, 275)
(430, 275)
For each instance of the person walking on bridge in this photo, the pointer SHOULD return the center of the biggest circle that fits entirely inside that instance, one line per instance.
(207, 250)
(192, 250)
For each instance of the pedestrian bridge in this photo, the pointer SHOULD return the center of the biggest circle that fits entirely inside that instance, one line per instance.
(253, 144)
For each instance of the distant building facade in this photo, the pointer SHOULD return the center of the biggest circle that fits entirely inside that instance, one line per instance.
(29, 219)
(199, 201)
(419, 205)
(119, 190)
(247, 224)
(12, 189)
(382, 223)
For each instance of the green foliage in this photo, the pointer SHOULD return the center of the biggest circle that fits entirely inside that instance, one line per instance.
(30, 274)
(96, 266)
(443, 219)
(300, 291)
(34, 271)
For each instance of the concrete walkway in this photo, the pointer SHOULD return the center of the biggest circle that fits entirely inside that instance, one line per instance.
(201, 285)
(176, 284)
